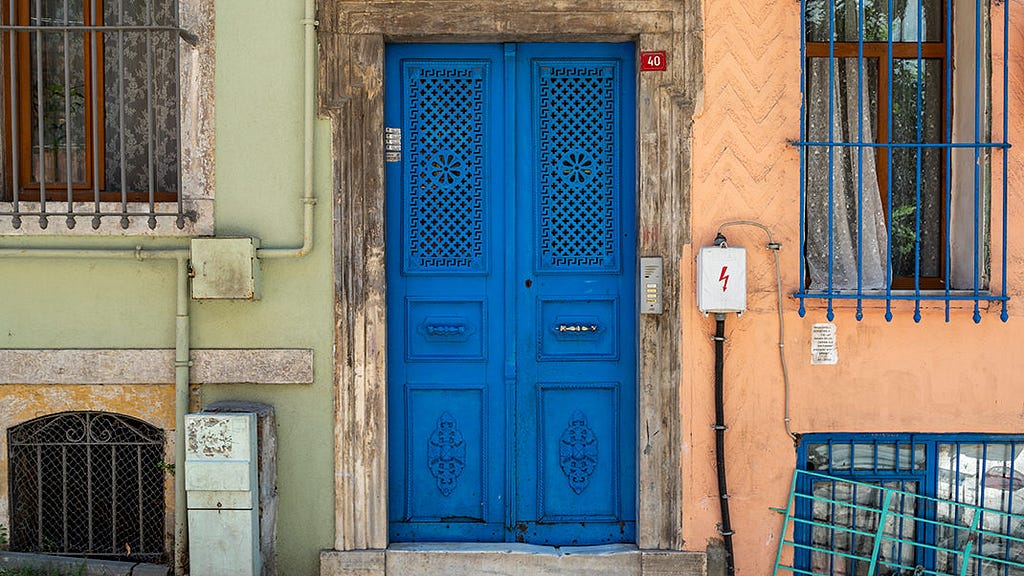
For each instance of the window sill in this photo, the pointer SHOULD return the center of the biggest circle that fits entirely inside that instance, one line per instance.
(911, 295)
(109, 225)
(904, 301)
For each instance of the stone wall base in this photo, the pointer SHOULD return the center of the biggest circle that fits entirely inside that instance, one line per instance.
(511, 560)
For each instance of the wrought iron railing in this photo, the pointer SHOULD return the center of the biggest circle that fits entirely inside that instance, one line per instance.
(889, 531)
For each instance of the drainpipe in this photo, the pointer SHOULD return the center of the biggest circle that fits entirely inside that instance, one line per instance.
(182, 362)
(309, 23)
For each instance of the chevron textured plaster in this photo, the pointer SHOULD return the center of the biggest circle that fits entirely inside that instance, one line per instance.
(894, 376)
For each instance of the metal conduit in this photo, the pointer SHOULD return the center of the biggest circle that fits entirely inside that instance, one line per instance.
(309, 24)
(725, 529)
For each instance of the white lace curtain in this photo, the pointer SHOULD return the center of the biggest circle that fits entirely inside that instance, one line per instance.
(858, 232)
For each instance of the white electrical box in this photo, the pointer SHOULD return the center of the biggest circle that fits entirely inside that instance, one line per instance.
(221, 481)
(721, 280)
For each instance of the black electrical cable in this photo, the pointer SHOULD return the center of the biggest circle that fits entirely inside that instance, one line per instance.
(723, 492)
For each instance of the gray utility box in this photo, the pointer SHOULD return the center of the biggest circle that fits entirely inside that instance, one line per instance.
(221, 481)
(225, 269)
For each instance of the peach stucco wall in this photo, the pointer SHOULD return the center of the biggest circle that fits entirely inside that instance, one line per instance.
(891, 376)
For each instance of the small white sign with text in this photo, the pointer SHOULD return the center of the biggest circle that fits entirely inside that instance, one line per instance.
(823, 344)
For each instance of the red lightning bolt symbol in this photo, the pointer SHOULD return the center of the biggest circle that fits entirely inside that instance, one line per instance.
(724, 278)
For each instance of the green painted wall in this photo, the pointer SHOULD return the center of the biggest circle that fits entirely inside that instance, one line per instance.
(259, 182)
(104, 304)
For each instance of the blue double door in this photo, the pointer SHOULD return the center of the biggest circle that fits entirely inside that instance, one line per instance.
(511, 177)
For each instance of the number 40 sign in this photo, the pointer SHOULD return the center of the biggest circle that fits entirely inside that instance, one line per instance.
(654, 61)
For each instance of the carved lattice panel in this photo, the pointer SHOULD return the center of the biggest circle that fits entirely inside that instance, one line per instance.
(445, 168)
(577, 121)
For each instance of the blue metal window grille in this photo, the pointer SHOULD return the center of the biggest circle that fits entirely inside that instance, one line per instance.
(905, 504)
(896, 164)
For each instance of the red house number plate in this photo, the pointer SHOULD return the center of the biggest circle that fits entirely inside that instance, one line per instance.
(655, 61)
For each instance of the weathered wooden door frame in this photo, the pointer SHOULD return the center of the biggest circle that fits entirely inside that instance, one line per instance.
(352, 38)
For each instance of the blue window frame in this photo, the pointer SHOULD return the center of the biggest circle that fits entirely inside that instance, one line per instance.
(920, 534)
(897, 140)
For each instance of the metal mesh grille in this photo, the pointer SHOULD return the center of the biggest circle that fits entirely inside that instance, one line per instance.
(87, 483)
(577, 123)
(446, 153)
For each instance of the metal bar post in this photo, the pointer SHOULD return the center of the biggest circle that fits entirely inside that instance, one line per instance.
(180, 220)
(1004, 316)
(150, 117)
(94, 108)
(830, 313)
(977, 140)
(12, 63)
(883, 515)
(965, 562)
(113, 497)
(88, 482)
(949, 151)
(40, 117)
(889, 165)
(120, 116)
(803, 149)
(919, 157)
(39, 496)
(860, 159)
(64, 493)
(67, 121)
(138, 495)
(786, 521)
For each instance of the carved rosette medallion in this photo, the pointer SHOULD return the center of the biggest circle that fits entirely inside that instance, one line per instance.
(446, 454)
(577, 452)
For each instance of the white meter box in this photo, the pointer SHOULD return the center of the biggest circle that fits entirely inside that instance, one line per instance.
(221, 482)
(721, 280)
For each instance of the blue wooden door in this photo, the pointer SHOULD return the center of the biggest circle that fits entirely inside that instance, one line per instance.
(511, 292)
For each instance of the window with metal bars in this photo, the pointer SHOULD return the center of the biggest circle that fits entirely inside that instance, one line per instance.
(87, 484)
(897, 145)
(91, 110)
(840, 517)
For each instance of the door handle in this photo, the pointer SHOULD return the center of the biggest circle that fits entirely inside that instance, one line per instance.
(577, 327)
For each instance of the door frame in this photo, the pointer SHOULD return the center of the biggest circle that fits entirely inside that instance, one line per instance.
(351, 76)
